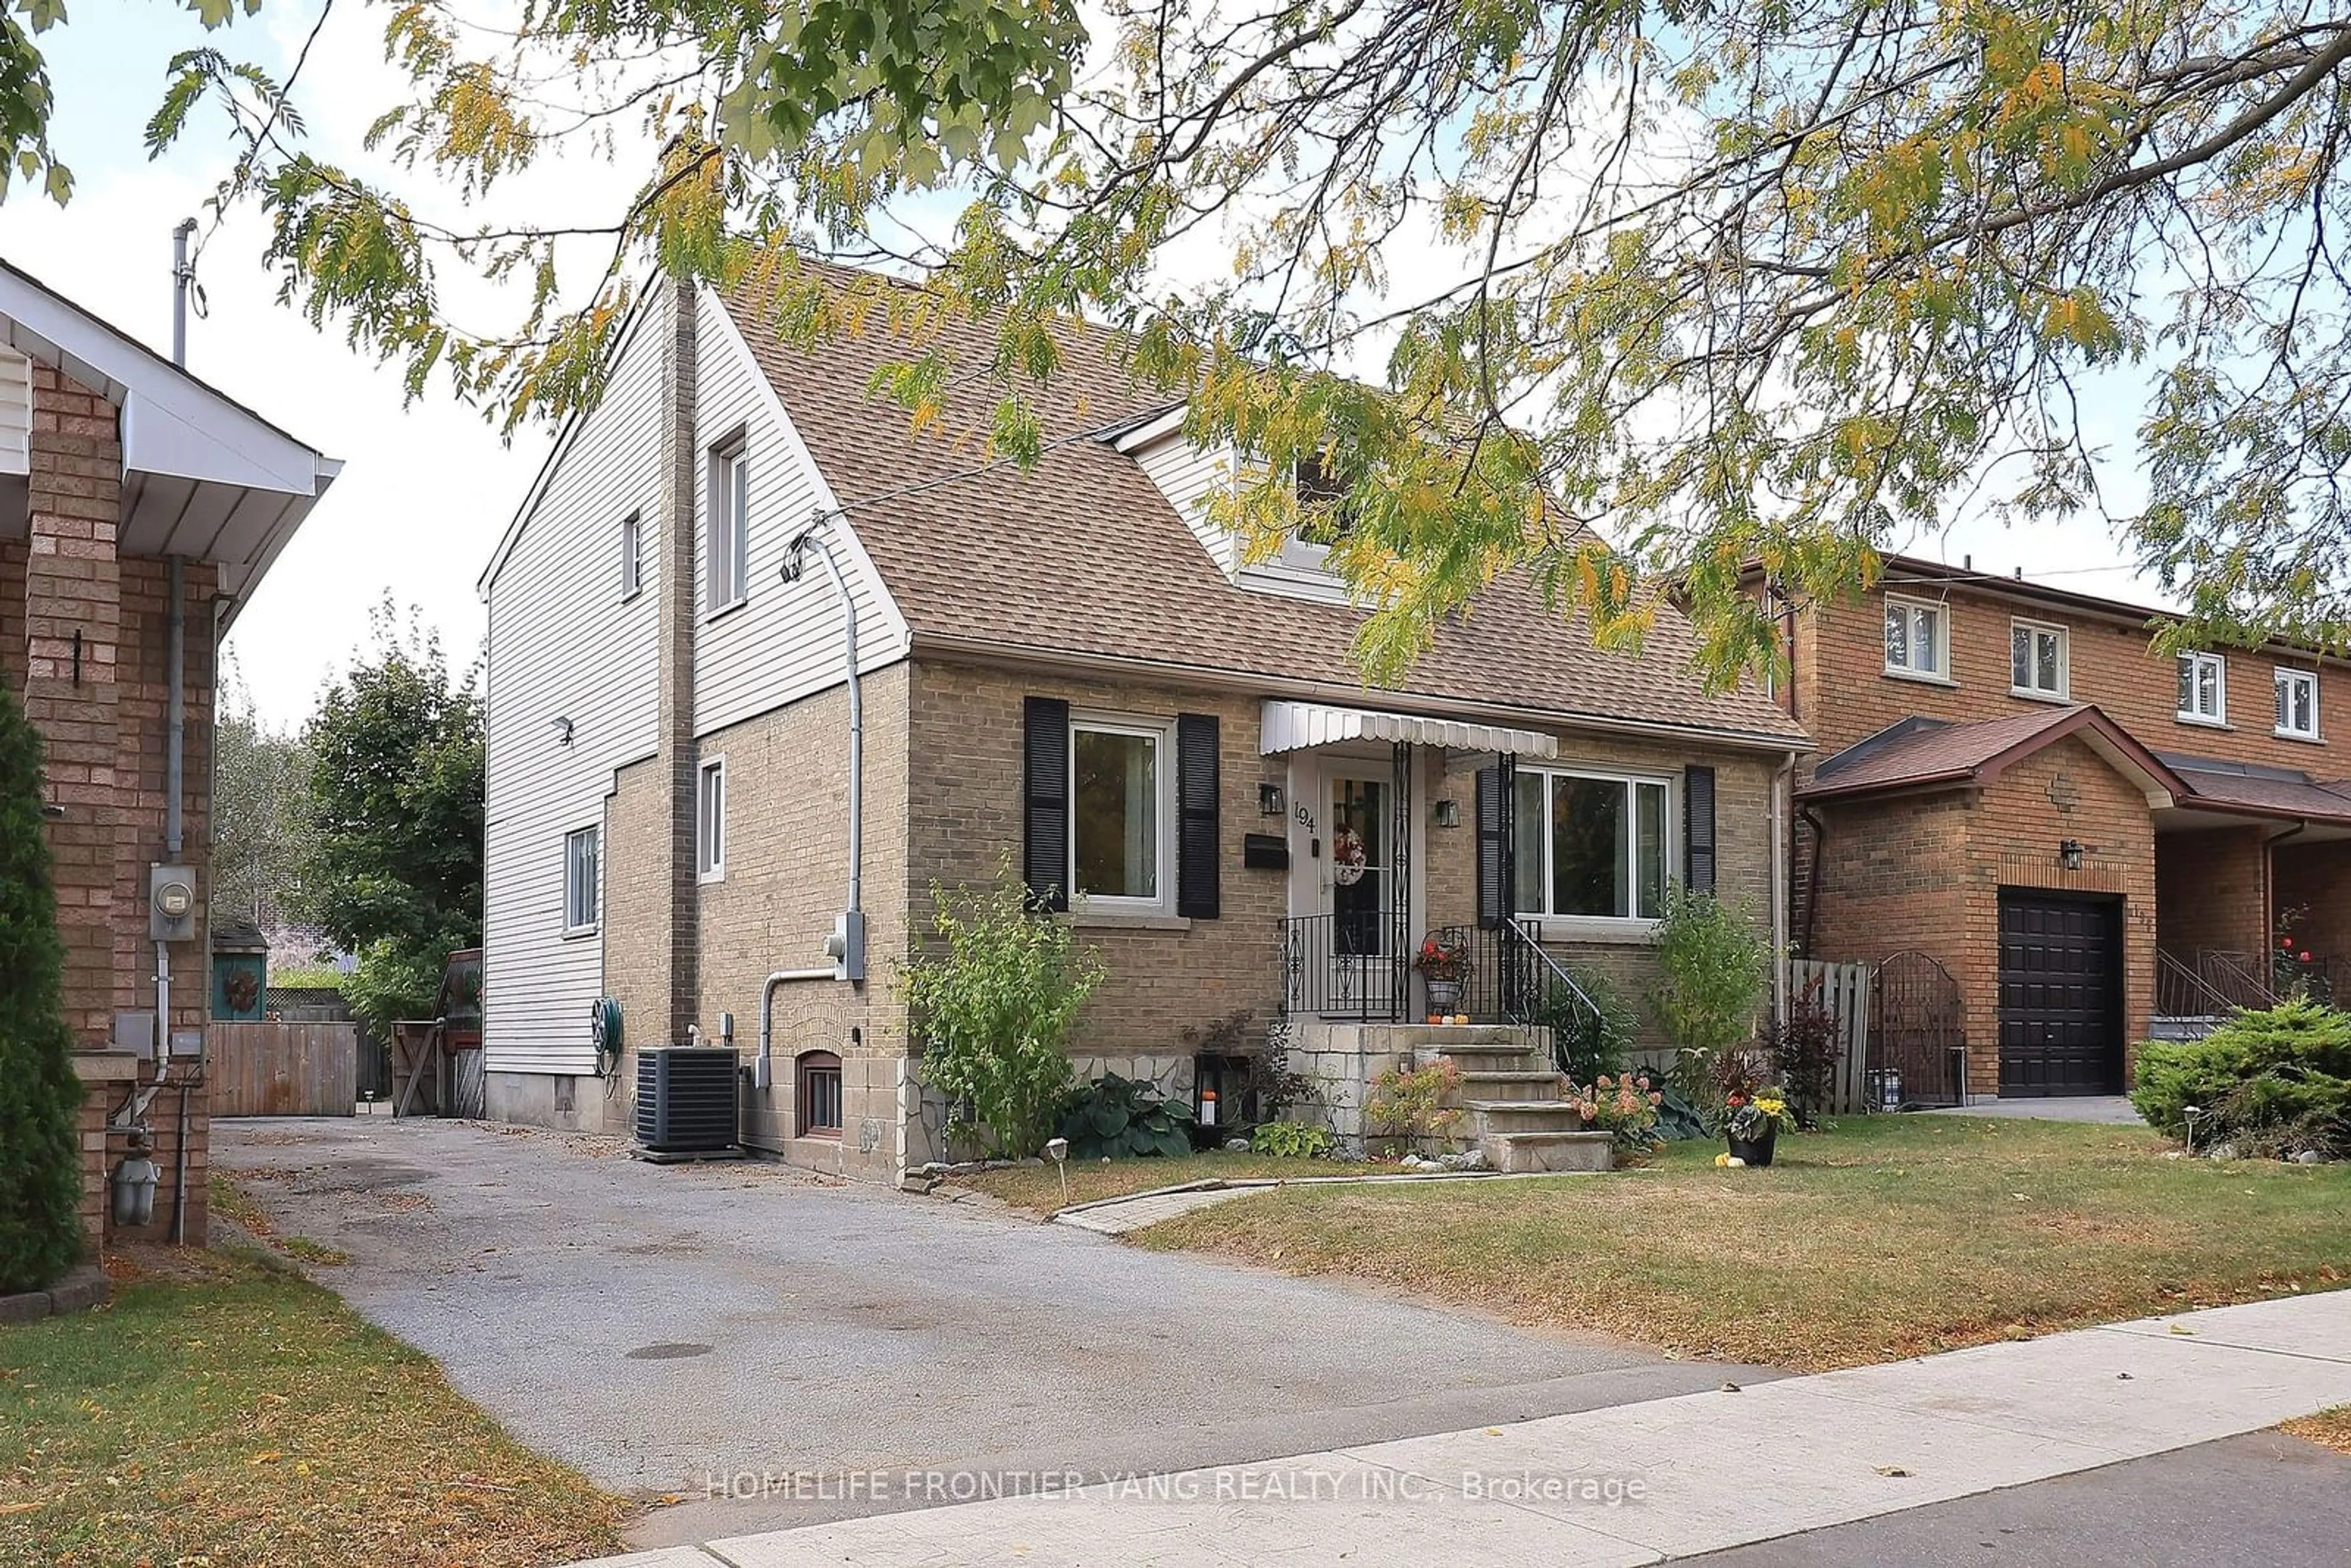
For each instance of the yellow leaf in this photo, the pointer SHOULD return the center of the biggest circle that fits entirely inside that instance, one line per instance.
(267, 1456)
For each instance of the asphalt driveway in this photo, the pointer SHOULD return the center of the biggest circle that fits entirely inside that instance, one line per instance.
(708, 1331)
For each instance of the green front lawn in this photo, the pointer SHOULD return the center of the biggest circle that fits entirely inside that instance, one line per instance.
(1892, 1236)
(233, 1415)
(1039, 1190)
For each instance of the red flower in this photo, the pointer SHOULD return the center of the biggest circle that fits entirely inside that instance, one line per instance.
(2286, 941)
(1737, 1101)
(2305, 957)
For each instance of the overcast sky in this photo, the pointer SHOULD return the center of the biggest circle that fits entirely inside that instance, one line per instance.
(427, 488)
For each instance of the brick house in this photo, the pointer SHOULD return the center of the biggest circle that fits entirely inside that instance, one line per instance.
(138, 509)
(2096, 842)
(1072, 667)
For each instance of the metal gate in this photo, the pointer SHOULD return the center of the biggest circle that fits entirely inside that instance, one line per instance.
(1917, 1035)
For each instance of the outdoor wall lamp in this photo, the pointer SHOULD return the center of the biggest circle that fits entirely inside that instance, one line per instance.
(2069, 854)
(562, 727)
(1269, 799)
(1448, 813)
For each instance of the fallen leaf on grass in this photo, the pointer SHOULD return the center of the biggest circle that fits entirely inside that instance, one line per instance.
(19, 1507)
(267, 1456)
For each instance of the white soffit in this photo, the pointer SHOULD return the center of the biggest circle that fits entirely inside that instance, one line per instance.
(1295, 726)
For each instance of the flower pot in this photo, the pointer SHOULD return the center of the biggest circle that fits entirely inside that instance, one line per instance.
(1445, 997)
(1755, 1150)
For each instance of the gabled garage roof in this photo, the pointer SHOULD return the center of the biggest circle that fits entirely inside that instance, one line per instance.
(1919, 754)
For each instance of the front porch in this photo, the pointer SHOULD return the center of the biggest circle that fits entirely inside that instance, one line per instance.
(2249, 913)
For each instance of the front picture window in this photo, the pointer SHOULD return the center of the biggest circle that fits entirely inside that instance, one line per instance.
(1590, 845)
(1115, 811)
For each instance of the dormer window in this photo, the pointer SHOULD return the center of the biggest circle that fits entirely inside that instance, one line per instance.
(1326, 516)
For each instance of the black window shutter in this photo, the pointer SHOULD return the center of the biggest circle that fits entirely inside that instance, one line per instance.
(1493, 846)
(1045, 794)
(1195, 816)
(1697, 829)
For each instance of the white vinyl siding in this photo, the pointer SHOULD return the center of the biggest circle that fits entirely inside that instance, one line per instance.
(561, 647)
(15, 413)
(785, 643)
(2203, 689)
(2297, 703)
(2037, 657)
(1918, 639)
(1189, 476)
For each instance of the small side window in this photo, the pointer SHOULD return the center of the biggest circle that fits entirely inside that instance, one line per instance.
(2203, 689)
(582, 857)
(710, 821)
(632, 558)
(2297, 703)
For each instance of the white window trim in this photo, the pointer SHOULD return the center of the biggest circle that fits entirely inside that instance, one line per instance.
(1088, 905)
(2218, 718)
(713, 870)
(1598, 927)
(719, 481)
(633, 556)
(1942, 609)
(2065, 635)
(596, 923)
(2315, 734)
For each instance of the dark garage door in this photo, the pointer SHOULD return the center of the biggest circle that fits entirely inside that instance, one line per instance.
(2061, 973)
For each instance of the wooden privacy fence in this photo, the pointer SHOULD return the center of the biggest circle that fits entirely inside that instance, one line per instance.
(282, 1068)
(1842, 991)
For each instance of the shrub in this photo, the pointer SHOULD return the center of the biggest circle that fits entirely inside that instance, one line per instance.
(992, 1007)
(41, 1159)
(1624, 1106)
(1292, 1141)
(1117, 1118)
(1804, 1055)
(1584, 1048)
(1713, 972)
(2273, 1081)
(1408, 1103)
(1268, 1086)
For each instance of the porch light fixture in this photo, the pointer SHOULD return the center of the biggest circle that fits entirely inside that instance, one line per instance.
(1448, 813)
(1269, 799)
(2069, 854)
(562, 727)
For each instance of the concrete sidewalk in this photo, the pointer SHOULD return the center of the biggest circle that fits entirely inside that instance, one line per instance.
(1642, 1483)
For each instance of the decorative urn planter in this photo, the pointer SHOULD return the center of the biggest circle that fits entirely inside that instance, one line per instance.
(1755, 1150)
(1445, 997)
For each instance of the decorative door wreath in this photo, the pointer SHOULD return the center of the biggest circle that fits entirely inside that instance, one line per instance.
(242, 990)
(1349, 859)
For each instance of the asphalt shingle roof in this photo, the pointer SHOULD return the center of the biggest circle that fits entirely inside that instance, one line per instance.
(1084, 556)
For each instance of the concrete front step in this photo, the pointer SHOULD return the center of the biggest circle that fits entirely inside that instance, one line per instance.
(1550, 1151)
(1522, 1116)
(1510, 1085)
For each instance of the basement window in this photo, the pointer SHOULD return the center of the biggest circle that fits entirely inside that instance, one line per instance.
(819, 1094)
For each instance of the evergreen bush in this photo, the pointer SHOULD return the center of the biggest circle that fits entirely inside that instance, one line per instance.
(40, 1164)
(2271, 1081)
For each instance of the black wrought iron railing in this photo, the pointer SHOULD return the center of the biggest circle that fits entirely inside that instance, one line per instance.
(1339, 966)
(1343, 967)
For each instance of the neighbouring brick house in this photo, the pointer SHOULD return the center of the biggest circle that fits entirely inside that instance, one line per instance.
(1069, 666)
(121, 479)
(2097, 842)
